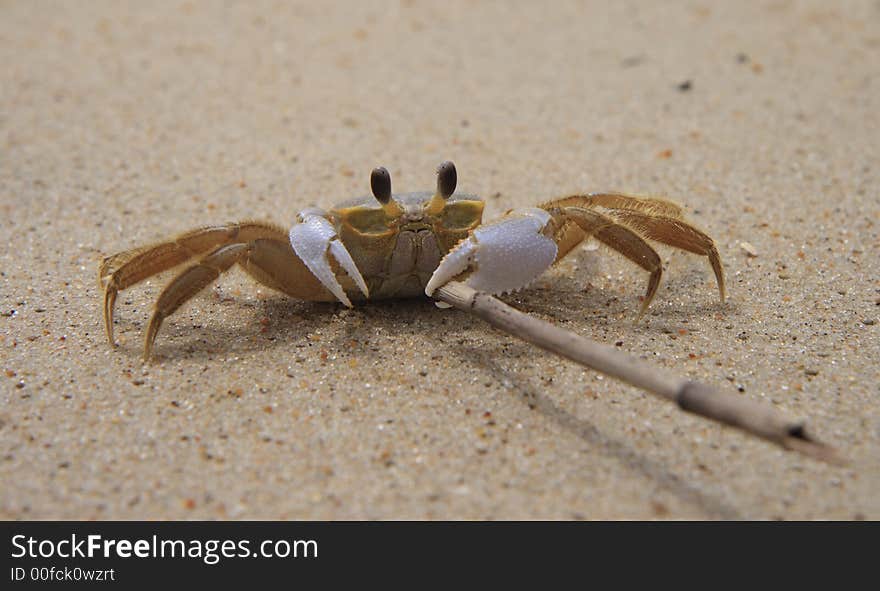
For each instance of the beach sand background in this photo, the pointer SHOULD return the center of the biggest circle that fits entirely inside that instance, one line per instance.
(123, 122)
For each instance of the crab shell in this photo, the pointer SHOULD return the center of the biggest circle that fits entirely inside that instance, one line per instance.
(417, 242)
(397, 256)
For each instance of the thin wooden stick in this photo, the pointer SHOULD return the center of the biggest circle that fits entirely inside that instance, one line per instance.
(757, 419)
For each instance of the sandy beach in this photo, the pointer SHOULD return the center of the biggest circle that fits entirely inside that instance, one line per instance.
(122, 123)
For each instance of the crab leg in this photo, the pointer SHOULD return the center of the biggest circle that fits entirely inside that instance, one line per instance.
(621, 201)
(269, 261)
(653, 218)
(188, 283)
(621, 239)
(274, 264)
(314, 240)
(677, 233)
(124, 269)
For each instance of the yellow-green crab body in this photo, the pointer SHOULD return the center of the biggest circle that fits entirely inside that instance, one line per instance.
(397, 254)
(405, 245)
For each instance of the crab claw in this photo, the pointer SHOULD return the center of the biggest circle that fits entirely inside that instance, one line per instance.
(502, 256)
(313, 240)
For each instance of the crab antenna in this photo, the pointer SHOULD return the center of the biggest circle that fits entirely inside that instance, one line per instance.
(447, 178)
(380, 183)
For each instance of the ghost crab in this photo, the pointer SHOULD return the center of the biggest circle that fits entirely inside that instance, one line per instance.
(405, 245)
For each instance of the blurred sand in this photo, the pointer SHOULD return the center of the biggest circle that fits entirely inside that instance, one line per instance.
(121, 123)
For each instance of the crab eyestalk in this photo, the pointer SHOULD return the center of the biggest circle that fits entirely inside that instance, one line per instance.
(447, 178)
(380, 183)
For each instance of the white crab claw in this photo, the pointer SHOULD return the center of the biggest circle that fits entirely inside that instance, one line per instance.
(313, 239)
(501, 256)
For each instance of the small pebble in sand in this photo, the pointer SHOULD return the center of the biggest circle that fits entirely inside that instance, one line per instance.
(748, 248)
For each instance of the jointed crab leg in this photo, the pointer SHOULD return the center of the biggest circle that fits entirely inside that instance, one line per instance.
(122, 270)
(273, 263)
(622, 201)
(270, 261)
(657, 219)
(262, 249)
(189, 283)
(679, 234)
(618, 237)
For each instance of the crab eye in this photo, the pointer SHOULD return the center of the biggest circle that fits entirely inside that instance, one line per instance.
(380, 183)
(447, 178)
